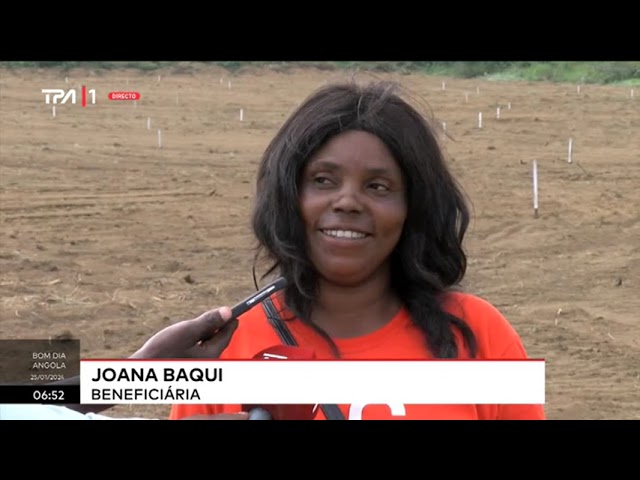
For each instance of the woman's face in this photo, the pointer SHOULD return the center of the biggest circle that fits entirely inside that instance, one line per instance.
(353, 204)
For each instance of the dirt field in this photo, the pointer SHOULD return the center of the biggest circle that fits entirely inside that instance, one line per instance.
(109, 238)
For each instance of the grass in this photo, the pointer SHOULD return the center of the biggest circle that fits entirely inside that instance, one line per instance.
(619, 73)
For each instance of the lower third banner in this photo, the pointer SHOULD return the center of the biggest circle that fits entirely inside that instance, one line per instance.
(312, 381)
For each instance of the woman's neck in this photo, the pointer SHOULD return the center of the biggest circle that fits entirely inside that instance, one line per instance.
(345, 312)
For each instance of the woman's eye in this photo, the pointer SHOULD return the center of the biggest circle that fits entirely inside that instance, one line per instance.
(322, 180)
(379, 187)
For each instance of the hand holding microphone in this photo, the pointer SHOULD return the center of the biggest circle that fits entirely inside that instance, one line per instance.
(209, 334)
(205, 336)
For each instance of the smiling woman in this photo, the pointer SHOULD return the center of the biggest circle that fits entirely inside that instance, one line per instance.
(352, 201)
(357, 209)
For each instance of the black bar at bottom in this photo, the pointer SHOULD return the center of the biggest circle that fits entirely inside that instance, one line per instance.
(44, 394)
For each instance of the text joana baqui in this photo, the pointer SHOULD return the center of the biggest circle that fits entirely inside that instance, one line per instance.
(169, 393)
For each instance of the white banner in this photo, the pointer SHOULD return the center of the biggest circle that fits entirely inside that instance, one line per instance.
(311, 382)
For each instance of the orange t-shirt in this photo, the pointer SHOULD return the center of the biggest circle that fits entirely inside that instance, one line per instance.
(398, 339)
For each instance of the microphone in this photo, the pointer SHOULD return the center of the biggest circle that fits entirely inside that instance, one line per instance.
(255, 298)
(259, 413)
(283, 412)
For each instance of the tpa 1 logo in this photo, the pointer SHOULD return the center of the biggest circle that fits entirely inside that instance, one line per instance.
(58, 95)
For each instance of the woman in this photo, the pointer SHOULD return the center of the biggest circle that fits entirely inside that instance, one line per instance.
(357, 210)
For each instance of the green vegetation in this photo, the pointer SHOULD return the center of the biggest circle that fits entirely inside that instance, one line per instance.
(575, 72)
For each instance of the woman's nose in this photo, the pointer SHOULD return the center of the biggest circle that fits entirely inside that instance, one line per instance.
(347, 199)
